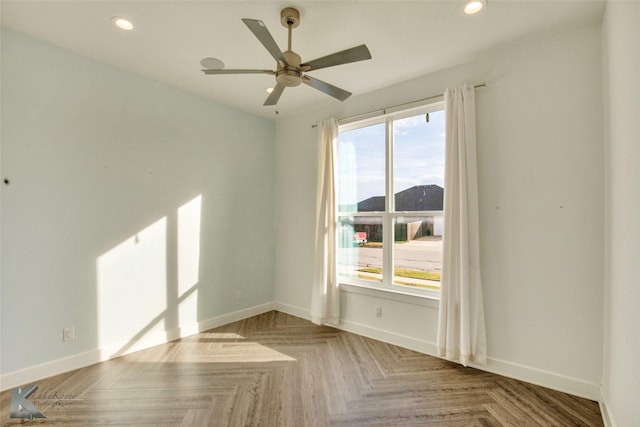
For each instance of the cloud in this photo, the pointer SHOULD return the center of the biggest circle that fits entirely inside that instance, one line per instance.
(418, 157)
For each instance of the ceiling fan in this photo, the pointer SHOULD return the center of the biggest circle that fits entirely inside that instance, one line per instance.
(290, 70)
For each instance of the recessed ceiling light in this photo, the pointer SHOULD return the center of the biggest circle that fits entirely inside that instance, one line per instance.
(212, 63)
(269, 89)
(474, 6)
(122, 23)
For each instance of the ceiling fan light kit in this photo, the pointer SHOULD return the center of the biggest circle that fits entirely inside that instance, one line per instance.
(290, 70)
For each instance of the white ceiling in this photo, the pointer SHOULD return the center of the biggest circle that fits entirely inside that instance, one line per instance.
(406, 39)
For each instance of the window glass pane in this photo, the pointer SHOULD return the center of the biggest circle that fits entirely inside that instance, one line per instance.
(417, 251)
(360, 247)
(416, 183)
(361, 169)
(418, 162)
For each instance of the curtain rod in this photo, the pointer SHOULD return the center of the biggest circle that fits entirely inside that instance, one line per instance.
(384, 110)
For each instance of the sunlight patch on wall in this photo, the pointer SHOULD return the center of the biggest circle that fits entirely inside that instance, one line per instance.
(188, 260)
(132, 286)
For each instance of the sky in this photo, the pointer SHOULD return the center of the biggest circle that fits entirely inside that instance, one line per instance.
(418, 157)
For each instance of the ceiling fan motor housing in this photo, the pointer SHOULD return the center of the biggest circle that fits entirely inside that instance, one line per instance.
(290, 74)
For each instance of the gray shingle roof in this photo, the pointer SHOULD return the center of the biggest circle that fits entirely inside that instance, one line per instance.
(417, 198)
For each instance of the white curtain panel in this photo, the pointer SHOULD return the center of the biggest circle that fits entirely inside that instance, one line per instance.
(461, 329)
(325, 298)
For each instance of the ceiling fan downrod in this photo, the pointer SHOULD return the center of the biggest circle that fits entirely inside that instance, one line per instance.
(289, 74)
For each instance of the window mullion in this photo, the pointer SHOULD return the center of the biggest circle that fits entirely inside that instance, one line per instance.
(388, 238)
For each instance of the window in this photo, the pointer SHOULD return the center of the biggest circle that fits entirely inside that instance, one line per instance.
(390, 189)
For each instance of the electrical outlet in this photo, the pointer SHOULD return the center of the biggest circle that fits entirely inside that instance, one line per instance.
(238, 296)
(378, 311)
(68, 334)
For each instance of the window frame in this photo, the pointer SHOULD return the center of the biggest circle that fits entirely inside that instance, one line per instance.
(389, 215)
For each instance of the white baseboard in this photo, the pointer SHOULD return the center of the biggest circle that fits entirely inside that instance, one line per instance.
(292, 310)
(552, 380)
(508, 369)
(517, 371)
(607, 416)
(389, 337)
(34, 373)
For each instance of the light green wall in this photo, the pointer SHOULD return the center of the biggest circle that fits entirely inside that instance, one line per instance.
(100, 162)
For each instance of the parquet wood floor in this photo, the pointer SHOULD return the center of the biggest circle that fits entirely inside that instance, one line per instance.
(279, 370)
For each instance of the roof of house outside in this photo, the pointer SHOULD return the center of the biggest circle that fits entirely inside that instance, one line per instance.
(420, 198)
(372, 204)
(417, 198)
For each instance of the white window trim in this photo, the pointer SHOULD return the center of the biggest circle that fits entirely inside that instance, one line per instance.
(394, 291)
(399, 295)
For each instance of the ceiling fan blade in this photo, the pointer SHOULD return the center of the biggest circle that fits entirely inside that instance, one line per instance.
(330, 90)
(231, 71)
(259, 30)
(273, 97)
(355, 54)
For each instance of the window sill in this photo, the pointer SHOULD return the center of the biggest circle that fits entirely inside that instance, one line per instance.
(422, 299)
